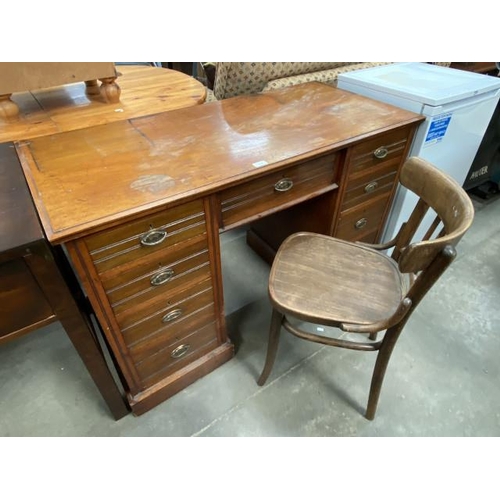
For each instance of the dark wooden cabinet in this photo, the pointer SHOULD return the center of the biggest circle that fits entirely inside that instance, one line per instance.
(476, 67)
(33, 290)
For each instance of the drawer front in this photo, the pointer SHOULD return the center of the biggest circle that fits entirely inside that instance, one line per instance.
(134, 240)
(363, 222)
(160, 274)
(371, 184)
(22, 303)
(181, 352)
(152, 329)
(279, 189)
(385, 149)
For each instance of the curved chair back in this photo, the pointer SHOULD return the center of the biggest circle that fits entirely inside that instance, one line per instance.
(453, 208)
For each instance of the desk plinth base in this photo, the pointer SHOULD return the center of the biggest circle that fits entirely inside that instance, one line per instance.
(151, 397)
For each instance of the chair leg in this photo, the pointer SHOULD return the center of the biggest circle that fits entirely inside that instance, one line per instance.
(272, 346)
(383, 358)
(373, 336)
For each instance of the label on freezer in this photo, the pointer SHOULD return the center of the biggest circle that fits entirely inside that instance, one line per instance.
(438, 128)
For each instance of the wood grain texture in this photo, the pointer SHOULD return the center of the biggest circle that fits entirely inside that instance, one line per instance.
(22, 303)
(357, 287)
(86, 179)
(180, 379)
(260, 197)
(23, 76)
(329, 281)
(130, 285)
(18, 220)
(100, 189)
(36, 285)
(451, 204)
(83, 266)
(144, 91)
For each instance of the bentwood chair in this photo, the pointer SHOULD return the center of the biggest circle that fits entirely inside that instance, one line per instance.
(358, 287)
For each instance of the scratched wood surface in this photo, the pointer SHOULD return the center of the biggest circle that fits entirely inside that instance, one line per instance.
(87, 179)
(144, 91)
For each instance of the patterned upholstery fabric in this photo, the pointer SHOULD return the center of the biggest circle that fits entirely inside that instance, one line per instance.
(235, 78)
(328, 76)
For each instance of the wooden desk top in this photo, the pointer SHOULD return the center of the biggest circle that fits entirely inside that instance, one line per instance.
(19, 225)
(87, 179)
(144, 91)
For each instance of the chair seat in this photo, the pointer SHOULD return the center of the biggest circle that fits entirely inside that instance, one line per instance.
(317, 278)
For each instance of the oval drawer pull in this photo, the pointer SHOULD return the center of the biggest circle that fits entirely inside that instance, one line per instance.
(369, 188)
(283, 185)
(180, 351)
(171, 315)
(153, 237)
(381, 152)
(161, 277)
(361, 223)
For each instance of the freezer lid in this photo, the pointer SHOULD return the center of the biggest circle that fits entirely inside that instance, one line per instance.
(422, 82)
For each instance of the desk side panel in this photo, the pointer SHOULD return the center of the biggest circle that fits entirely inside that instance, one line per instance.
(19, 225)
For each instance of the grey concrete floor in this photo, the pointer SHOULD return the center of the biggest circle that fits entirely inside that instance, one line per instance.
(443, 379)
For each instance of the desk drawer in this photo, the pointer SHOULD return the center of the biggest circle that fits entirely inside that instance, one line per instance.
(179, 353)
(363, 222)
(150, 331)
(133, 240)
(387, 149)
(277, 190)
(369, 184)
(174, 333)
(160, 273)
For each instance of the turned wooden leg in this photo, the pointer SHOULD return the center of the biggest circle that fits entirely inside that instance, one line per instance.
(110, 91)
(272, 346)
(383, 357)
(373, 336)
(92, 88)
(8, 108)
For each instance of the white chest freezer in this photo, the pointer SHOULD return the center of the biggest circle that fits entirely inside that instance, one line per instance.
(458, 106)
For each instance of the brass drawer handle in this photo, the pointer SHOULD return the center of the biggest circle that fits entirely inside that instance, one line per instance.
(283, 185)
(381, 152)
(161, 277)
(180, 351)
(153, 237)
(369, 188)
(361, 223)
(171, 315)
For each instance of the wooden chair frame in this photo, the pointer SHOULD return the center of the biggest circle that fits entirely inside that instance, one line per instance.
(420, 263)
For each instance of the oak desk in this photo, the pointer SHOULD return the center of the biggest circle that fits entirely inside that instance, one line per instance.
(140, 204)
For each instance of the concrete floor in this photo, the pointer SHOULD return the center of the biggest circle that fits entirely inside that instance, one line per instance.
(443, 379)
